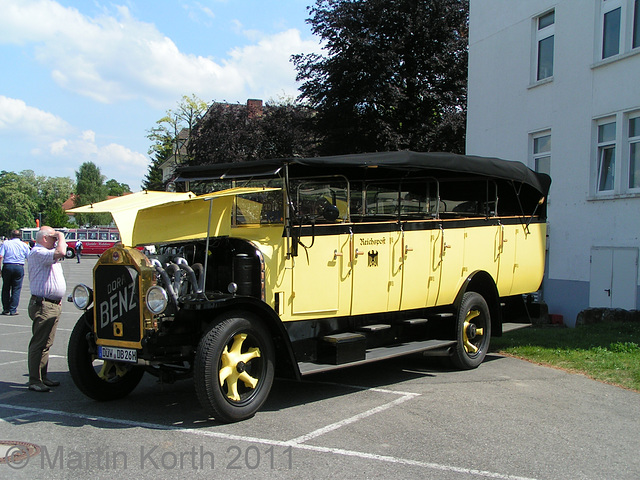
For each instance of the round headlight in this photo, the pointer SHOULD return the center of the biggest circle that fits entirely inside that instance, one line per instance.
(82, 296)
(156, 299)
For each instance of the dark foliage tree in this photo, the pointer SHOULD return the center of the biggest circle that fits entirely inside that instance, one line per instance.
(393, 77)
(227, 133)
(287, 130)
(236, 133)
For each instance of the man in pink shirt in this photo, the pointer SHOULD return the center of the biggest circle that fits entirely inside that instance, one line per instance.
(48, 287)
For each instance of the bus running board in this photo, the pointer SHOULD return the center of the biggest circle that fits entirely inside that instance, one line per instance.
(379, 353)
(510, 327)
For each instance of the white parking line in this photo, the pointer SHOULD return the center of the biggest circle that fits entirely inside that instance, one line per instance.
(277, 443)
(9, 363)
(51, 355)
(347, 421)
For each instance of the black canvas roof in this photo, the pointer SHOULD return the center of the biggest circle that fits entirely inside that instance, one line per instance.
(384, 164)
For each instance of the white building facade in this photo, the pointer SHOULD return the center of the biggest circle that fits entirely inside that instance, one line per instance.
(556, 85)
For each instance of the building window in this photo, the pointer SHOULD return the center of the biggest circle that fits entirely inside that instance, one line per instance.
(542, 153)
(545, 30)
(636, 27)
(616, 166)
(606, 157)
(634, 152)
(611, 33)
(620, 23)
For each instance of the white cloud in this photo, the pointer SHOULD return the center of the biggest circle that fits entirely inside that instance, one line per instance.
(16, 117)
(116, 57)
(115, 161)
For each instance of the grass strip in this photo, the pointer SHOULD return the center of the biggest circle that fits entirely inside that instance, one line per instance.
(609, 352)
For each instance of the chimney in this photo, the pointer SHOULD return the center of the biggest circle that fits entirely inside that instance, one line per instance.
(254, 108)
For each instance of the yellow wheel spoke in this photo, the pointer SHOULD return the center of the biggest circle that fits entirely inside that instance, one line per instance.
(471, 315)
(468, 346)
(225, 372)
(104, 371)
(111, 370)
(248, 380)
(250, 355)
(232, 368)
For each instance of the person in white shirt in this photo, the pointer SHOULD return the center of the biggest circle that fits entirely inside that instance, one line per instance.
(48, 287)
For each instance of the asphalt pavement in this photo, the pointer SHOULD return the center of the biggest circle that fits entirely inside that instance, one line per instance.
(403, 418)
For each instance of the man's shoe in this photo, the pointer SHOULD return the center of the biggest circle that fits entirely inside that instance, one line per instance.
(13, 313)
(5, 313)
(50, 383)
(39, 387)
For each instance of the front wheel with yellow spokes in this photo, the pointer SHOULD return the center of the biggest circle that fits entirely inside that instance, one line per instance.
(234, 367)
(473, 332)
(98, 379)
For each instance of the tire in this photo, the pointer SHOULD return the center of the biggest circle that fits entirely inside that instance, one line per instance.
(473, 332)
(97, 379)
(70, 253)
(239, 351)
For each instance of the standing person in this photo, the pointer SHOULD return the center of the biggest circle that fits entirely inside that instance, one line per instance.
(48, 286)
(78, 249)
(12, 254)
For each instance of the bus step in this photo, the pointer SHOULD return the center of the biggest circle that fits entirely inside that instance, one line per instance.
(375, 354)
(377, 334)
(442, 316)
(374, 328)
(415, 321)
(341, 348)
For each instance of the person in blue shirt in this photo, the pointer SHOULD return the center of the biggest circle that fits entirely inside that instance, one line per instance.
(12, 255)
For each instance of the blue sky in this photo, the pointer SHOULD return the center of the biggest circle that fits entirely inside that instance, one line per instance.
(84, 80)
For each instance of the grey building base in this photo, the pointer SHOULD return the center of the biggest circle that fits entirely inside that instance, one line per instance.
(568, 298)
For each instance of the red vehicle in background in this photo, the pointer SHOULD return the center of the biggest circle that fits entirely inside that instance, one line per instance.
(95, 240)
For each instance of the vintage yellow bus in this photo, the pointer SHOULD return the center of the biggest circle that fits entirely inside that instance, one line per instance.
(295, 266)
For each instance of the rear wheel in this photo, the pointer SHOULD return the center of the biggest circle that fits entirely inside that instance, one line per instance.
(234, 367)
(98, 379)
(473, 332)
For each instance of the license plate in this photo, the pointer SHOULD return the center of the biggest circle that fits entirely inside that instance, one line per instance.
(118, 354)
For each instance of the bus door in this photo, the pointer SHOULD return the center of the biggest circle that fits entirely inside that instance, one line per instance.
(376, 273)
(413, 252)
(370, 266)
(318, 281)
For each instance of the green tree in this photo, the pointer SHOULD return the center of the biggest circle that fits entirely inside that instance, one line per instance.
(170, 137)
(90, 188)
(18, 201)
(393, 77)
(116, 189)
(52, 193)
(160, 151)
(153, 178)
